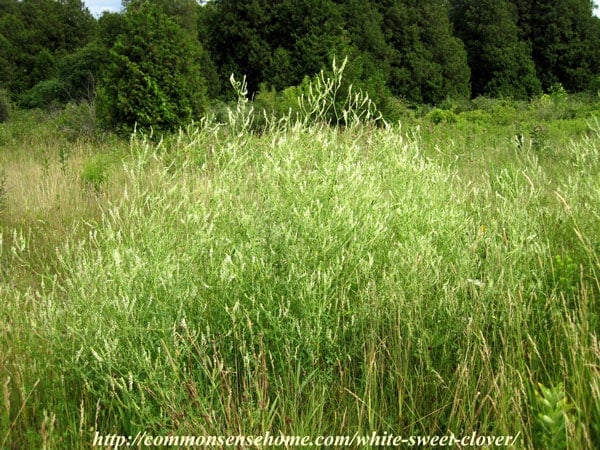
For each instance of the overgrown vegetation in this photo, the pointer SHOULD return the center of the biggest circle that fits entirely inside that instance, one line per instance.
(161, 64)
(4, 107)
(435, 275)
(153, 77)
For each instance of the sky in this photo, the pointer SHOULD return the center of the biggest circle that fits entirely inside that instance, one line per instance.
(97, 6)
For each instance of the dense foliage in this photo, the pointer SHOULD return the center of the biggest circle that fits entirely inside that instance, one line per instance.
(153, 77)
(564, 39)
(415, 52)
(501, 63)
(35, 36)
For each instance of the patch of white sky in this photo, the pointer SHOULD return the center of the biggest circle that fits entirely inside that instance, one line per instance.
(97, 7)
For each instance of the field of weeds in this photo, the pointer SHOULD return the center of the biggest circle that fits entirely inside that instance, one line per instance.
(430, 277)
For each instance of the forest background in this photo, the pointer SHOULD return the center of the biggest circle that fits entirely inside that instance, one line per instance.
(166, 62)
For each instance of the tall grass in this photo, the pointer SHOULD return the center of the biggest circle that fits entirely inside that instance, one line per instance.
(307, 280)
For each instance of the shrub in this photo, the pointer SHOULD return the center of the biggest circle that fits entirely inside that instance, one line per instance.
(154, 78)
(77, 120)
(394, 109)
(476, 116)
(78, 72)
(437, 116)
(47, 94)
(96, 171)
(502, 111)
(322, 99)
(4, 107)
(539, 137)
(457, 105)
(279, 104)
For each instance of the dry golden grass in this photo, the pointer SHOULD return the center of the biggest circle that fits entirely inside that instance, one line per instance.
(45, 198)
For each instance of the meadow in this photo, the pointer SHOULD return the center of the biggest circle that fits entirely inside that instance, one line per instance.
(436, 275)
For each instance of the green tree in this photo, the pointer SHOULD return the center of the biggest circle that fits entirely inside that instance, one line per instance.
(233, 32)
(76, 78)
(183, 12)
(367, 48)
(565, 37)
(501, 63)
(79, 72)
(271, 42)
(110, 27)
(427, 62)
(450, 76)
(10, 25)
(35, 35)
(317, 31)
(154, 78)
(77, 23)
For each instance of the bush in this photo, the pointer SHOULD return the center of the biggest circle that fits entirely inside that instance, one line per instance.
(4, 107)
(437, 116)
(47, 94)
(322, 99)
(502, 111)
(78, 72)
(96, 171)
(154, 78)
(77, 120)
(476, 116)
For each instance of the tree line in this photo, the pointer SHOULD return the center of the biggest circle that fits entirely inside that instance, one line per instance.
(161, 62)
